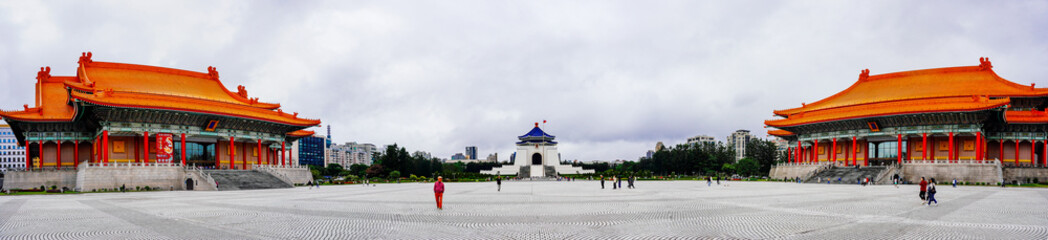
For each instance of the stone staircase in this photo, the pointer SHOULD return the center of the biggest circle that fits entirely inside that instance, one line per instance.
(525, 171)
(550, 171)
(246, 180)
(847, 175)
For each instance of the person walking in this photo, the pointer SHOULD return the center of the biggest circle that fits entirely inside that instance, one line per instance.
(709, 181)
(310, 183)
(630, 182)
(601, 181)
(931, 193)
(613, 186)
(924, 189)
(718, 179)
(954, 183)
(498, 180)
(317, 183)
(618, 180)
(438, 191)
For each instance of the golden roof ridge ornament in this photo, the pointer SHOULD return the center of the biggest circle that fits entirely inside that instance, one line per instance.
(864, 74)
(212, 73)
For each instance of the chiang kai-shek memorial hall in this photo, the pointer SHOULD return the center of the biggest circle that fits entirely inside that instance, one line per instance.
(116, 113)
(536, 156)
(957, 115)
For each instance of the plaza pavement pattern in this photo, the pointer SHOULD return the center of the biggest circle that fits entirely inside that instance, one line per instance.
(536, 210)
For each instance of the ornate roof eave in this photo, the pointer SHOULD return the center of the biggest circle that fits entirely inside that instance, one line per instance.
(1006, 88)
(893, 109)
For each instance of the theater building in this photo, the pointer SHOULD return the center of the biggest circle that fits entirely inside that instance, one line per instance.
(126, 114)
(922, 119)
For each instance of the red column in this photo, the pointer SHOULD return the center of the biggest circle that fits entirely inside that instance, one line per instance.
(1001, 150)
(924, 146)
(258, 151)
(1044, 154)
(855, 156)
(866, 156)
(898, 149)
(232, 154)
(183, 140)
(137, 159)
(797, 151)
(41, 150)
(145, 147)
(283, 149)
(1033, 146)
(833, 152)
(28, 161)
(979, 146)
(105, 148)
(1016, 152)
(218, 162)
(952, 157)
(815, 152)
(76, 153)
(58, 155)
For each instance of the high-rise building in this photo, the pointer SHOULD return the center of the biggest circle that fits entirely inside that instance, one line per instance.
(458, 156)
(737, 140)
(471, 152)
(701, 140)
(352, 153)
(12, 156)
(311, 150)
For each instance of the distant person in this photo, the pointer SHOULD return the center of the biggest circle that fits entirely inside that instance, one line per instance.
(310, 183)
(718, 180)
(954, 183)
(317, 183)
(438, 191)
(924, 190)
(631, 179)
(498, 180)
(601, 181)
(618, 181)
(709, 181)
(931, 193)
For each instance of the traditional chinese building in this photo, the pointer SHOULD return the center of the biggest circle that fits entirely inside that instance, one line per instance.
(116, 113)
(949, 115)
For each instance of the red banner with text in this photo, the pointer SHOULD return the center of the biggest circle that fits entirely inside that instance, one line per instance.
(164, 148)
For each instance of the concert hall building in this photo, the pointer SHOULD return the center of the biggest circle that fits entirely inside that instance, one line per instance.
(126, 114)
(957, 115)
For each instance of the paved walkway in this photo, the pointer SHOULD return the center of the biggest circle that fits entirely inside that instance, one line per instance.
(535, 210)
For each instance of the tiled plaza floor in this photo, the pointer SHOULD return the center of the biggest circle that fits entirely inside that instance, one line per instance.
(536, 210)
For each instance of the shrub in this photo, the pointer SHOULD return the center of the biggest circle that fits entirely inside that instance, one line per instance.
(146, 188)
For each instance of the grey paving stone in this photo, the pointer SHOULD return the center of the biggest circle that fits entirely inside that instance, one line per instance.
(536, 210)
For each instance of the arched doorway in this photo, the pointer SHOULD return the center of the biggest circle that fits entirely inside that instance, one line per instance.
(536, 159)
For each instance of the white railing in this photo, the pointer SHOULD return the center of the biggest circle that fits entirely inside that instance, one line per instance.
(210, 181)
(274, 172)
(128, 165)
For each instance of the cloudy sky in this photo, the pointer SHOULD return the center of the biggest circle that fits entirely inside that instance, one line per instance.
(612, 78)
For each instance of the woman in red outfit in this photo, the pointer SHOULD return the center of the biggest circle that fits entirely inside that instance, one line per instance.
(438, 190)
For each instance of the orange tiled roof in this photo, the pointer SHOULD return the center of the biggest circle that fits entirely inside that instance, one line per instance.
(139, 86)
(780, 133)
(928, 90)
(1032, 116)
(301, 133)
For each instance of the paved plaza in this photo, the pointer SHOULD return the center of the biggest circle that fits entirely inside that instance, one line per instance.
(536, 210)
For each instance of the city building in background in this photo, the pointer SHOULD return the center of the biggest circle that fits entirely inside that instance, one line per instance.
(459, 156)
(352, 153)
(12, 156)
(471, 152)
(738, 140)
(311, 150)
(494, 157)
(701, 140)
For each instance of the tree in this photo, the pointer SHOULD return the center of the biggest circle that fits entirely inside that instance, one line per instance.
(747, 167)
(728, 168)
(764, 152)
(394, 174)
(376, 170)
(358, 169)
(332, 169)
